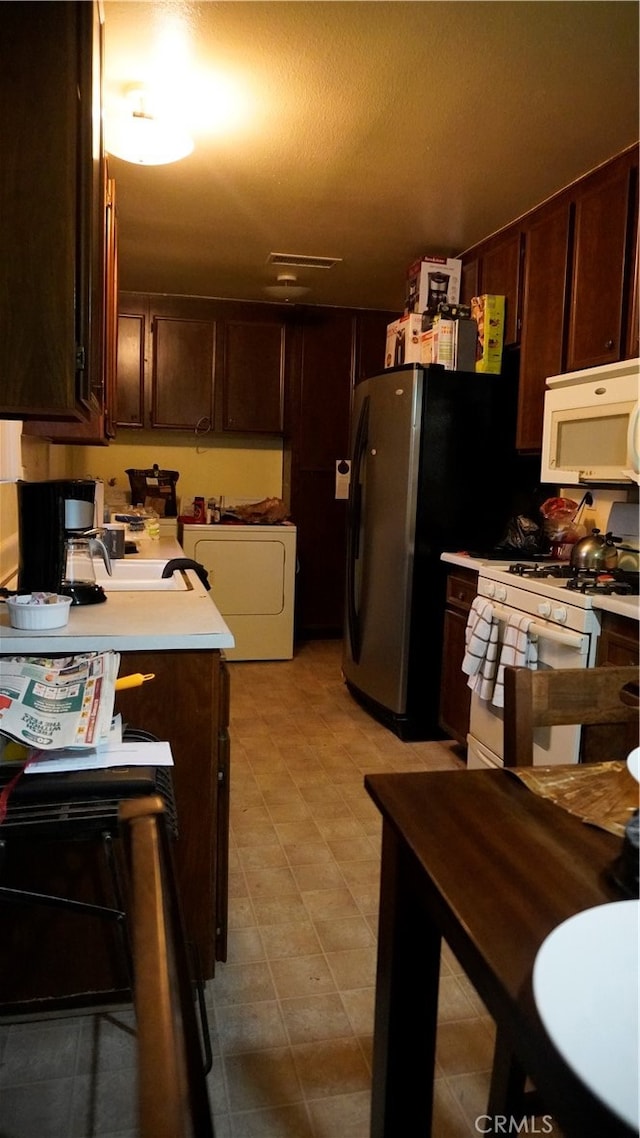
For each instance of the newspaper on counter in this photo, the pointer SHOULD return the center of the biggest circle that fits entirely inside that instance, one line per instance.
(47, 704)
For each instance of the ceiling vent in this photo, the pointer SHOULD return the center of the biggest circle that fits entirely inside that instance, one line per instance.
(299, 261)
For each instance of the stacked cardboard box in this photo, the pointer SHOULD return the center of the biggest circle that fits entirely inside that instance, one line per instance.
(488, 312)
(431, 281)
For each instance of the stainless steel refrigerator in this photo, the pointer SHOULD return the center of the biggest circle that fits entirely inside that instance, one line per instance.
(432, 465)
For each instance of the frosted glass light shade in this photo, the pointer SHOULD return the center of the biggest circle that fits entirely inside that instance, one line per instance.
(146, 140)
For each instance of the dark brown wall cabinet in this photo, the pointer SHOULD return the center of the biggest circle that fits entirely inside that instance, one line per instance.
(600, 274)
(495, 268)
(569, 272)
(198, 364)
(52, 209)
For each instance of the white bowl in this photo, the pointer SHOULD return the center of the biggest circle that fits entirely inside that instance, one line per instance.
(24, 612)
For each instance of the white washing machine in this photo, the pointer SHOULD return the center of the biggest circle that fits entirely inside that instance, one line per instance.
(252, 571)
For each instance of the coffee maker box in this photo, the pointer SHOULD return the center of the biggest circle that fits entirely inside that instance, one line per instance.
(432, 281)
(488, 312)
(403, 341)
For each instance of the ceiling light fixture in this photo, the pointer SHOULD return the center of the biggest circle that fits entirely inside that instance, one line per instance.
(287, 288)
(137, 134)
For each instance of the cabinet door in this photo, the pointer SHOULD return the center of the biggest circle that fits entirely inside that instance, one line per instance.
(111, 313)
(182, 372)
(49, 72)
(600, 267)
(99, 427)
(546, 236)
(500, 276)
(371, 338)
(470, 278)
(131, 360)
(455, 694)
(253, 376)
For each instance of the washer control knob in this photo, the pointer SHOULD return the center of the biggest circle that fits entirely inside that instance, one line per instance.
(544, 608)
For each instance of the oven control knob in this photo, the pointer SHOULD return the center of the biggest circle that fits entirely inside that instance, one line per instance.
(544, 608)
(491, 589)
(560, 614)
(501, 592)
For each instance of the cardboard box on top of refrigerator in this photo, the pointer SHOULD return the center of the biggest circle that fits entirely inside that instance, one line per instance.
(403, 341)
(450, 342)
(437, 344)
(432, 281)
(488, 312)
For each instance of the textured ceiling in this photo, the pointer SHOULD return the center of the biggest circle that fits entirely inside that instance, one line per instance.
(373, 132)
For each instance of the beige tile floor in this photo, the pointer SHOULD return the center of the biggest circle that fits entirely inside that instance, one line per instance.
(291, 1011)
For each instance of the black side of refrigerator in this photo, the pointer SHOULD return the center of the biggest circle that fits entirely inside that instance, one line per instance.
(468, 466)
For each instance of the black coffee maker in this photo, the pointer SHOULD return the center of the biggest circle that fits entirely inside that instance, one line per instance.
(48, 513)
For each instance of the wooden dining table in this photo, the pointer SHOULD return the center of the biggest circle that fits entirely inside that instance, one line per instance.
(478, 859)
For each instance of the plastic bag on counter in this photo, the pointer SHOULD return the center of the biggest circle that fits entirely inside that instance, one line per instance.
(524, 538)
(154, 489)
(269, 511)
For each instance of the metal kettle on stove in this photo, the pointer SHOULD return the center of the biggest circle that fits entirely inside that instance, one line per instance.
(596, 552)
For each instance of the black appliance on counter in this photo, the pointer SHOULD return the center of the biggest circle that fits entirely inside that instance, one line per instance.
(48, 512)
(433, 469)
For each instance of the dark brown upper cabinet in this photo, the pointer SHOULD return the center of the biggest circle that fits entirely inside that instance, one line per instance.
(545, 291)
(52, 207)
(602, 264)
(572, 264)
(497, 272)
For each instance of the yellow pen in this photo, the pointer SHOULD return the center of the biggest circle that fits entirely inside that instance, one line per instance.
(133, 681)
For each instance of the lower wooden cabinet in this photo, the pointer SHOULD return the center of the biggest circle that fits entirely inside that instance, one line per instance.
(188, 704)
(455, 695)
(618, 644)
(52, 957)
(617, 647)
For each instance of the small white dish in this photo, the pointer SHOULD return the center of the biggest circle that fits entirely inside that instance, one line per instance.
(585, 984)
(25, 612)
(633, 763)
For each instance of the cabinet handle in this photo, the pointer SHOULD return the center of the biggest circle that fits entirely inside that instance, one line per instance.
(199, 428)
(609, 345)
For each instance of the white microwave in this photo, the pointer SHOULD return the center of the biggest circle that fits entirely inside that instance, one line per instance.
(591, 426)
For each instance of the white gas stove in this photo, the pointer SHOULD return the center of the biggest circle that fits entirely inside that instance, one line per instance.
(554, 592)
(565, 626)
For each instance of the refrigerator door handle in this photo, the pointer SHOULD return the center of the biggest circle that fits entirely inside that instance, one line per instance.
(353, 530)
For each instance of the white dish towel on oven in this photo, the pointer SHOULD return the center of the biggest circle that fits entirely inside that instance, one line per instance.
(481, 648)
(518, 650)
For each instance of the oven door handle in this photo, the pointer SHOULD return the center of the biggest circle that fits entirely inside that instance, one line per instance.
(558, 635)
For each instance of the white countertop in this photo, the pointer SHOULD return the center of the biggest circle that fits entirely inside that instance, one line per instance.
(130, 621)
(465, 561)
(623, 606)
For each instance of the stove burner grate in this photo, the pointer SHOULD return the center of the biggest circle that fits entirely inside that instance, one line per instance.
(619, 582)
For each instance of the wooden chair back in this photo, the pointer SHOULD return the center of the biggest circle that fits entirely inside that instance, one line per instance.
(588, 696)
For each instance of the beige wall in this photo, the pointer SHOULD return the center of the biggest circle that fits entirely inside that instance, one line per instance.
(244, 468)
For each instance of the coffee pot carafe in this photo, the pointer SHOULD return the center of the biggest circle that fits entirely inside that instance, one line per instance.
(79, 577)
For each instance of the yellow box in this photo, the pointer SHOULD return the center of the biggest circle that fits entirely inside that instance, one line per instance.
(488, 312)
